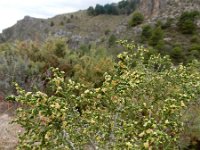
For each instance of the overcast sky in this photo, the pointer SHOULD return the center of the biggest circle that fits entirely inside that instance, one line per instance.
(13, 10)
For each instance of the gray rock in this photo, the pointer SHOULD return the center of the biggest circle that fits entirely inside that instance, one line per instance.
(75, 41)
(120, 29)
(167, 39)
(198, 23)
(60, 33)
(68, 34)
(71, 26)
(137, 30)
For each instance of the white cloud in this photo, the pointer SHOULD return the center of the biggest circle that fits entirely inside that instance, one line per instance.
(13, 10)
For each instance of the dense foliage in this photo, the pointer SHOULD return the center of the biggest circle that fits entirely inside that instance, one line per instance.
(15, 66)
(139, 107)
(156, 37)
(28, 62)
(137, 18)
(146, 32)
(186, 23)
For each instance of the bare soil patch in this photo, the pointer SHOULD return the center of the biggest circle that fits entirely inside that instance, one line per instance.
(8, 131)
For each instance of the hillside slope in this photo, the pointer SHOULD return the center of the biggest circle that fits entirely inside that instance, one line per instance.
(78, 28)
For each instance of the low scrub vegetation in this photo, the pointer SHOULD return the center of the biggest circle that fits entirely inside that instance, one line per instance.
(27, 63)
(140, 106)
(137, 18)
(187, 22)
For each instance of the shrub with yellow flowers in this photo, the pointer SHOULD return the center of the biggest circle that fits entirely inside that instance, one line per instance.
(139, 107)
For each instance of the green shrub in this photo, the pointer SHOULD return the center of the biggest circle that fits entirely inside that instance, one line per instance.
(146, 32)
(90, 68)
(137, 18)
(194, 51)
(139, 107)
(177, 54)
(112, 39)
(107, 31)
(52, 24)
(60, 48)
(157, 35)
(159, 23)
(186, 22)
(195, 47)
(188, 27)
(194, 54)
(160, 46)
(167, 24)
(68, 20)
(61, 23)
(72, 16)
(195, 39)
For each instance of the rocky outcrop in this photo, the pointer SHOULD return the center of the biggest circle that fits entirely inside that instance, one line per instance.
(25, 29)
(152, 7)
(166, 8)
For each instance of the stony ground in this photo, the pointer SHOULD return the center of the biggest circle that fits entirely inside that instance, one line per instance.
(8, 131)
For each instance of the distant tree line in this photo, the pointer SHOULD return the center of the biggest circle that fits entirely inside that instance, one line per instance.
(122, 7)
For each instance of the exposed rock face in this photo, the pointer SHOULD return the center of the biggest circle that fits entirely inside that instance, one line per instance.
(167, 8)
(152, 7)
(25, 29)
